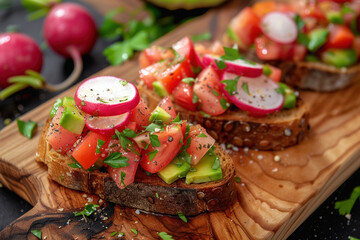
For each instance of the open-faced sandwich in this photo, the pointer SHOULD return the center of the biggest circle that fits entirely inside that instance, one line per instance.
(315, 43)
(238, 101)
(108, 142)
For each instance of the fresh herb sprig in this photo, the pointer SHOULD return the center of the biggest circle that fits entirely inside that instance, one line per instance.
(345, 206)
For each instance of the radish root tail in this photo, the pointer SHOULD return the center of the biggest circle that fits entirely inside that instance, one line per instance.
(78, 67)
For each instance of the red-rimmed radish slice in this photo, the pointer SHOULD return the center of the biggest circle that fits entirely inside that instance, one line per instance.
(239, 66)
(106, 96)
(279, 27)
(258, 96)
(108, 124)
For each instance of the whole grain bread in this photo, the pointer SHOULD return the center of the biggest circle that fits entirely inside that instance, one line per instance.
(314, 76)
(148, 193)
(273, 132)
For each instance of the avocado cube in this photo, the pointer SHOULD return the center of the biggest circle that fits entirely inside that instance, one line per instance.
(68, 101)
(159, 89)
(72, 119)
(204, 170)
(160, 114)
(175, 170)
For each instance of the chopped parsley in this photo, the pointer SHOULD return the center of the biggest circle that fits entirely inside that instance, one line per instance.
(345, 206)
(231, 54)
(232, 35)
(37, 233)
(182, 217)
(122, 177)
(115, 160)
(220, 64)
(113, 234)
(231, 85)
(28, 129)
(202, 135)
(187, 130)
(201, 37)
(100, 143)
(124, 137)
(245, 87)
(134, 231)
(189, 80)
(215, 92)
(195, 98)
(165, 236)
(88, 210)
(237, 179)
(75, 164)
(205, 115)
(152, 154)
(154, 139)
(177, 119)
(123, 82)
(154, 126)
(157, 195)
(224, 104)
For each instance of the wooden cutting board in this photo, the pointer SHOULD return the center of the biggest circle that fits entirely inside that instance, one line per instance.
(273, 198)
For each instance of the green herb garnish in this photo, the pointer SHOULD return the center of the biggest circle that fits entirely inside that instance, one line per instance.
(231, 85)
(216, 94)
(28, 129)
(152, 154)
(231, 54)
(182, 217)
(237, 179)
(122, 177)
(245, 87)
(124, 137)
(100, 143)
(345, 206)
(195, 98)
(205, 115)
(201, 37)
(154, 139)
(202, 135)
(165, 236)
(134, 231)
(224, 104)
(177, 119)
(115, 160)
(220, 64)
(113, 234)
(267, 70)
(189, 80)
(154, 126)
(88, 210)
(37, 233)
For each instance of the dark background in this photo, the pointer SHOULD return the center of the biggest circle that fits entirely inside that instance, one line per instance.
(324, 223)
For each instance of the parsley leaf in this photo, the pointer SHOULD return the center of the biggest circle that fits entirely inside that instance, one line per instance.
(122, 177)
(215, 92)
(165, 236)
(345, 206)
(237, 179)
(100, 143)
(37, 233)
(231, 85)
(110, 29)
(205, 115)
(224, 104)
(189, 80)
(187, 130)
(88, 210)
(75, 165)
(113, 234)
(127, 132)
(123, 137)
(232, 35)
(152, 154)
(201, 37)
(134, 231)
(231, 54)
(154, 126)
(115, 160)
(245, 87)
(202, 135)
(182, 217)
(154, 139)
(195, 98)
(28, 129)
(220, 64)
(177, 119)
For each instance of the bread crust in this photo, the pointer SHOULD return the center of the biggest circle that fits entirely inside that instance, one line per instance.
(147, 193)
(273, 132)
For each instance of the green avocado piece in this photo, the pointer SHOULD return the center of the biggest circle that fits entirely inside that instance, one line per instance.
(289, 96)
(207, 170)
(58, 103)
(159, 89)
(178, 168)
(72, 119)
(160, 114)
(317, 38)
(339, 57)
(335, 17)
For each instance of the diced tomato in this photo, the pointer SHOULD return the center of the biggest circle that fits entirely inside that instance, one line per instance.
(155, 54)
(275, 73)
(85, 153)
(132, 126)
(161, 156)
(185, 48)
(267, 49)
(340, 36)
(207, 89)
(293, 52)
(150, 74)
(130, 170)
(201, 142)
(246, 25)
(183, 95)
(167, 105)
(60, 139)
(263, 8)
(140, 114)
(312, 10)
(356, 45)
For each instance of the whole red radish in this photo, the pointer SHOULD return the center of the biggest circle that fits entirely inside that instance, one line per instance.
(70, 30)
(18, 53)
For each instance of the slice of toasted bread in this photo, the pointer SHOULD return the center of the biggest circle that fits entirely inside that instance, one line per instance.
(273, 132)
(314, 76)
(148, 193)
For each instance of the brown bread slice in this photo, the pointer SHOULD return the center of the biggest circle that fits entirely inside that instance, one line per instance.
(190, 199)
(273, 132)
(314, 76)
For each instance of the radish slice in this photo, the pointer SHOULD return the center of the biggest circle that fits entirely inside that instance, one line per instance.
(258, 96)
(239, 66)
(107, 125)
(106, 96)
(279, 27)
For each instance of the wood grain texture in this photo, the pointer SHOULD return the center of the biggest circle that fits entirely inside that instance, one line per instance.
(273, 197)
